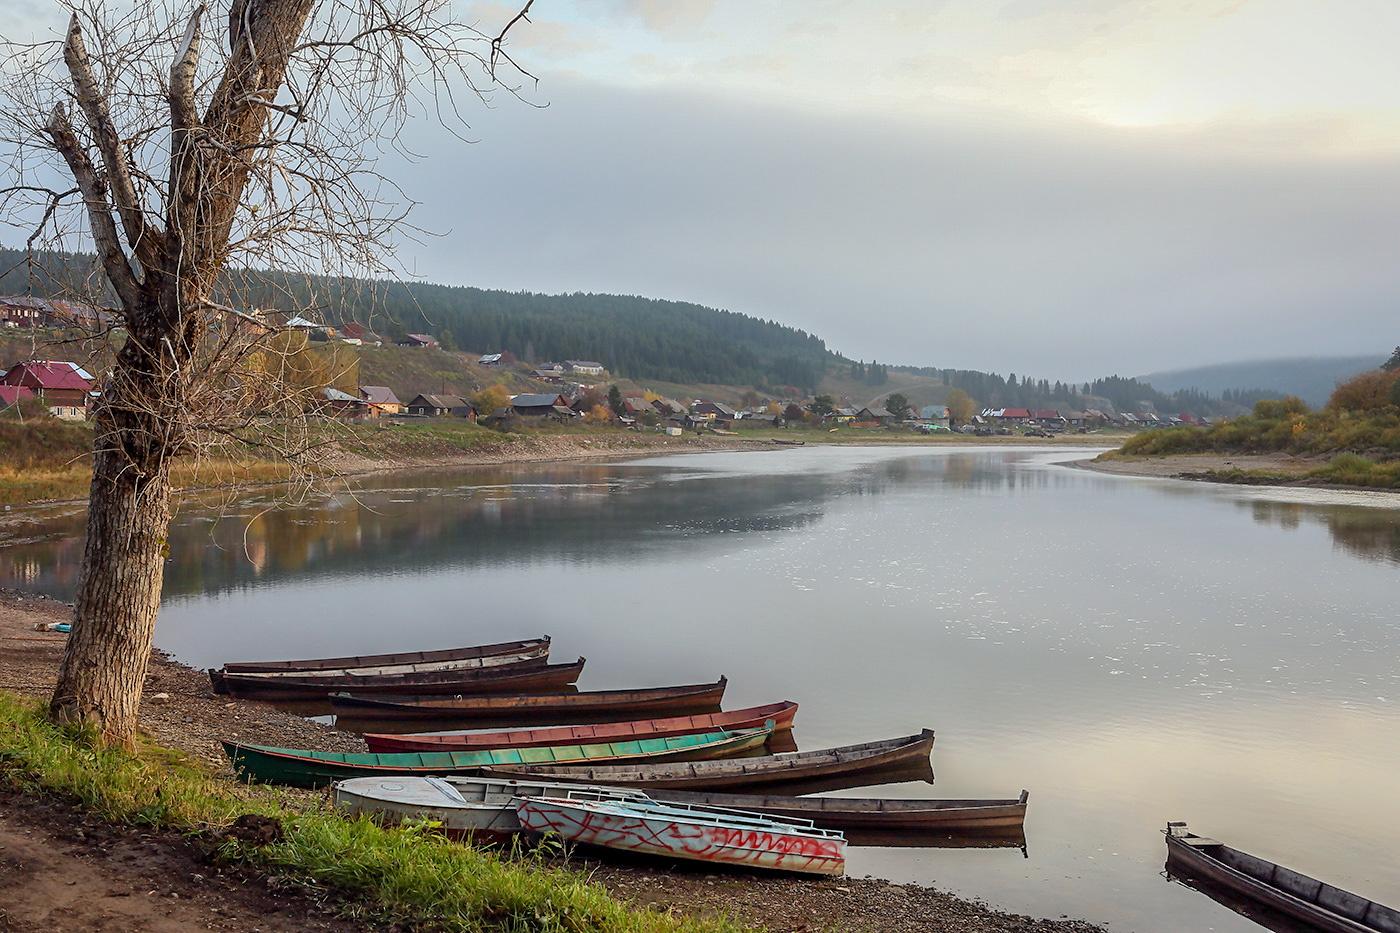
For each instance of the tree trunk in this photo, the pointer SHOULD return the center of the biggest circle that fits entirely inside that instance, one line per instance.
(114, 617)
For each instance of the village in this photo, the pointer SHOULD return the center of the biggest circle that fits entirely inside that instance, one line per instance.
(569, 391)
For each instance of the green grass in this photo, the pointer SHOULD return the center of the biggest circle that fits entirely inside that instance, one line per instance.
(409, 875)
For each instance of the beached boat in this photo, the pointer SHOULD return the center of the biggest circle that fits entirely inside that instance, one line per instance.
(508, 652)
(530, 677)
(303, 768)
(481, 808)
(702, 834)
(1320, 905)
(780, 713)
(888, 761)
(1001, 816)
(382, 712)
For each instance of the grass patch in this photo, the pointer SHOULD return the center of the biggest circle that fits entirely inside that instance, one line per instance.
(390, 873)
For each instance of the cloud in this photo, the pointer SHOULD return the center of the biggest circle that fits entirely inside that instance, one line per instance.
(669, 16)
(1065, 252)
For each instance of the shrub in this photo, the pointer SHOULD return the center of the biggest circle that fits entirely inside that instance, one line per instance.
(1369, 391)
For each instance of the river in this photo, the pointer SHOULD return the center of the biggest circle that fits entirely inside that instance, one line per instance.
(1131, 651)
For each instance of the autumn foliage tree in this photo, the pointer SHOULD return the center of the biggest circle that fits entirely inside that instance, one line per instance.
(189, 147)
(1373, 390)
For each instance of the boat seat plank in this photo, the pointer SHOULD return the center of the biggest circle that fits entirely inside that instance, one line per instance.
(1198, 841)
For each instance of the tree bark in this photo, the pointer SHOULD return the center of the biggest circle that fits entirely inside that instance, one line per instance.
(114, 617)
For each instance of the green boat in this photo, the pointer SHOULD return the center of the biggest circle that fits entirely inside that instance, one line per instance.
(301, 768)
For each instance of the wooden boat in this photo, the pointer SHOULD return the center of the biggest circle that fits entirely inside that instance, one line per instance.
(781, 713)
(538, 709)
(509, 652)
(701, 834)
(530, 677)
(902, 759)
(479, 808)
(788, 443)
(302, 768)
(1320, 905)
(873, 814)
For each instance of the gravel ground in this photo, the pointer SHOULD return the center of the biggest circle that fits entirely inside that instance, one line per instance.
(192, 718)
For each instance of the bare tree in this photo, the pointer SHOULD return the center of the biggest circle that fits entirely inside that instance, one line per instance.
(186, 150)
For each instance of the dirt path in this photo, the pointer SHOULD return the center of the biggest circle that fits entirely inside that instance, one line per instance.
(62, 871)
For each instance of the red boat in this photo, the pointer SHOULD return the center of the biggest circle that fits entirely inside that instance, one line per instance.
(780, 713)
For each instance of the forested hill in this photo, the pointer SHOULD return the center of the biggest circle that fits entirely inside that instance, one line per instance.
(645, 338)
(642, 338)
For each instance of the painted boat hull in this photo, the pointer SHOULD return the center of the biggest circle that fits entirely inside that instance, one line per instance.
(406, 661)
(478, 808)
(1318, 904)
(722, 840)
(526, 677)
(888, 761)
(383, 713)
(853, 814)
(305, 768)
(781, 714)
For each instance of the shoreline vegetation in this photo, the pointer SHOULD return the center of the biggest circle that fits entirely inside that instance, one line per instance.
(1354, 442)
(208, 840)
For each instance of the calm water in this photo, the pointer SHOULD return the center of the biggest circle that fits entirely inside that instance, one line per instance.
(1129, 650)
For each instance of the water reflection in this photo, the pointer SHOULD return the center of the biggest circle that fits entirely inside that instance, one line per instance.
(1368, 533)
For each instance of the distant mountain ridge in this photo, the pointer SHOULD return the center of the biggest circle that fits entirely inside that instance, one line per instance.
(1311, 378)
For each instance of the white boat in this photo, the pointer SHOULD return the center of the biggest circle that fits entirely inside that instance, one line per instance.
(713, 835)
(464, 806)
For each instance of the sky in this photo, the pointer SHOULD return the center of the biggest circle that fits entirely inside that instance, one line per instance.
(1053, 188)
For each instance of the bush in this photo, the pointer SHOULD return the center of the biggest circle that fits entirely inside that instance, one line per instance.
(1369, 392)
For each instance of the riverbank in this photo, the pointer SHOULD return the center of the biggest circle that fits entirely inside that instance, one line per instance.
(158, 881)
(1274, 469)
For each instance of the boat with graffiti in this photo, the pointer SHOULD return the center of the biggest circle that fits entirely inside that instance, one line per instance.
(703, 834)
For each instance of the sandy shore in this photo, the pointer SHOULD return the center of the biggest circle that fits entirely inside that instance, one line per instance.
(180, 710)
(1194, 466)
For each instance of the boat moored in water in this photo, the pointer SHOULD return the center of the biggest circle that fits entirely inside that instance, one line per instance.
(1320, 905)
(508, 652)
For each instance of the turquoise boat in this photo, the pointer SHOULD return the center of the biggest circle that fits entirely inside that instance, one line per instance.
(302, 768)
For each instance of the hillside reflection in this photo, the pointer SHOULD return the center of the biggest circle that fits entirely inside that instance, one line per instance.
(1367, 533)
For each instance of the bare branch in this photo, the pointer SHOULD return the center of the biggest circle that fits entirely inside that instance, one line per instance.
(143, 240)
(104, 228)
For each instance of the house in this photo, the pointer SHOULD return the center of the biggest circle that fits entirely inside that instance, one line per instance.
(11, 394)
(844, 414)
(421, 341)
(549, 373)
(355, 331)
(541, 405)
(441, 406)
(1047, 418)
(555, 369)
(585, 366)
(63, 386)
(341, 404)
(21, 311)
(874, 416)
(491, 359)
(380, 401)
(669, 408)
(934, 414)
(713, 411)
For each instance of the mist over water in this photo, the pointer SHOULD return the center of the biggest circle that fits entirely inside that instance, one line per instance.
(1131, 651)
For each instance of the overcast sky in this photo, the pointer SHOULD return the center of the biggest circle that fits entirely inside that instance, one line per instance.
(1060, 188)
